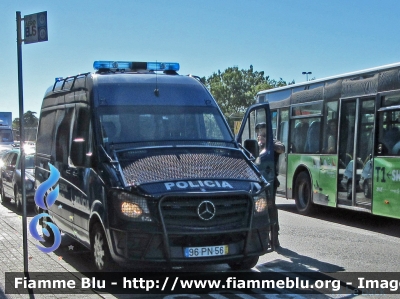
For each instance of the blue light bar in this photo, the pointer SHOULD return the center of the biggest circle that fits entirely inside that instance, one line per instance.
(134, 66)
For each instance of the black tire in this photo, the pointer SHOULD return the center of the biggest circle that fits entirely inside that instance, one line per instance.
(244, 264)
(303, 194)
(3, 195)
(18, 200)
(99, 249)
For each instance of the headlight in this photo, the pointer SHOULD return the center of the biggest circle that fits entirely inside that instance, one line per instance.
(131, 209)
(132, 206)
(260, 202)
(28, 185)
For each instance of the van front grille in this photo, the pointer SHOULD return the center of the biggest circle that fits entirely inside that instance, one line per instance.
(202, 213)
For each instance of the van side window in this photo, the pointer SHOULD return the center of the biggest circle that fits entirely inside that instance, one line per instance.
(81, 142)
(63, 135)
(45, 132)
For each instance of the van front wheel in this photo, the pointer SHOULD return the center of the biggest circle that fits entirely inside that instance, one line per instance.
(99, 248)
(244, 264)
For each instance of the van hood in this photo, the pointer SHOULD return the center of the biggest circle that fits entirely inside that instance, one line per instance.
(185, 167)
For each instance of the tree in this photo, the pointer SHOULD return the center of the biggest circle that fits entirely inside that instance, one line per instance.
(234, 89)
(30, 125)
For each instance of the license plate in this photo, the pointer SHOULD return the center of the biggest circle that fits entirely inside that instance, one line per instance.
(206, 251)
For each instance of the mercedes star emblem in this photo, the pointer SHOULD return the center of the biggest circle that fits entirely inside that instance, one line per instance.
(206, 210)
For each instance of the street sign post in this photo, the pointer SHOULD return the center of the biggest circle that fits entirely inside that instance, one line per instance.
(35, 28)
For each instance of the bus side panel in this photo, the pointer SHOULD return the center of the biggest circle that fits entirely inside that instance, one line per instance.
(386, 187)
(322, 172)
(327, 183)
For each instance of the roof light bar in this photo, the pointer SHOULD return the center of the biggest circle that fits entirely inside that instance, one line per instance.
(134, 66)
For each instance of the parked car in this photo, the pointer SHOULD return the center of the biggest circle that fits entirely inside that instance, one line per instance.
(10, 178)
(366, 179)
(348, 177)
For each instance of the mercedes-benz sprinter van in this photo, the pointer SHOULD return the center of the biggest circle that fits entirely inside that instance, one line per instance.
(150, 171)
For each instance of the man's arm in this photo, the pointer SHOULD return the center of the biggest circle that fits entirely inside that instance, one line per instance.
(279, 147)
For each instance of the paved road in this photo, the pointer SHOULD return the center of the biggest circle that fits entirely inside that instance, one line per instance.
(324, 243)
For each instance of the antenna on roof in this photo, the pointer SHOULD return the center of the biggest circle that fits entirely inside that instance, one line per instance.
(156, 91)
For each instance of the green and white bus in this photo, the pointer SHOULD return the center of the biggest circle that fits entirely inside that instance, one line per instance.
(342, 139)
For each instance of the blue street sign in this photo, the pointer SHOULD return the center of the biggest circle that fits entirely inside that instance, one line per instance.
(35, 28)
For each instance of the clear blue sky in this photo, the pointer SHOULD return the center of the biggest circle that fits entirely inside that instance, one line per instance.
(283, 38)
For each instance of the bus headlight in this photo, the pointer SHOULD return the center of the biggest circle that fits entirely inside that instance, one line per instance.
(260, 203)
(132, 206)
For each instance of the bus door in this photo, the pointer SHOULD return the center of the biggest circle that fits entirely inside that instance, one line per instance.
(386, 169)
(280, 131)
(356, 140)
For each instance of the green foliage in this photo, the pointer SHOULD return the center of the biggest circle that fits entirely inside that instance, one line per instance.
(30, 125)
(235, 90)
(30, 120)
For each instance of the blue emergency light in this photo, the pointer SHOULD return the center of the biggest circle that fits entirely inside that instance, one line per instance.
(128, 66)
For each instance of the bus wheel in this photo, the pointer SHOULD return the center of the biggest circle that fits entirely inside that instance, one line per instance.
(99, 248)
(303, 194)
(244, 264)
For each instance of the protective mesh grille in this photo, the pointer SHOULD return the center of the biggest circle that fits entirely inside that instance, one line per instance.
(186, 166)
(179, 213)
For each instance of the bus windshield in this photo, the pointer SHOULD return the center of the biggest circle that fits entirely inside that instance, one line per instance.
(126, 124)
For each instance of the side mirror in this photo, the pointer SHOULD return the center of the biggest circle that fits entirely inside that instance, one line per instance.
(251, 145)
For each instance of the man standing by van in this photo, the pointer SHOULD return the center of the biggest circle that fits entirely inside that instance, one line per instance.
(279, 148)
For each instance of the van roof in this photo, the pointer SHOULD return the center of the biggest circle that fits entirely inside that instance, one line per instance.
(138, 88)
(152, 89)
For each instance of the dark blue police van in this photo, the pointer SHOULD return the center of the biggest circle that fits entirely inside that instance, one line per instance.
(150, 171)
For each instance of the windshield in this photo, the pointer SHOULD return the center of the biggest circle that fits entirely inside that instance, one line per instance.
(127, 124)
(29, 162)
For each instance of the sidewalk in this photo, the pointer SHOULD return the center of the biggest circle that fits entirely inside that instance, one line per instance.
(12, 260)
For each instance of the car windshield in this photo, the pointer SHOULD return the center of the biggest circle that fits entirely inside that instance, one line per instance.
(29, 162)
(126, 124)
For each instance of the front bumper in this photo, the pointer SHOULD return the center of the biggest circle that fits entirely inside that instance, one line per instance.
(180, 227)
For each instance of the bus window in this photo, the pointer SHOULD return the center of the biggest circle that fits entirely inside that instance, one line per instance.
(305, 135)
(305, 127)
(389, 133)
(299, 134)
(312, 140)
(284, 126)
(330, 128)
(274, 119)
(366, 127)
